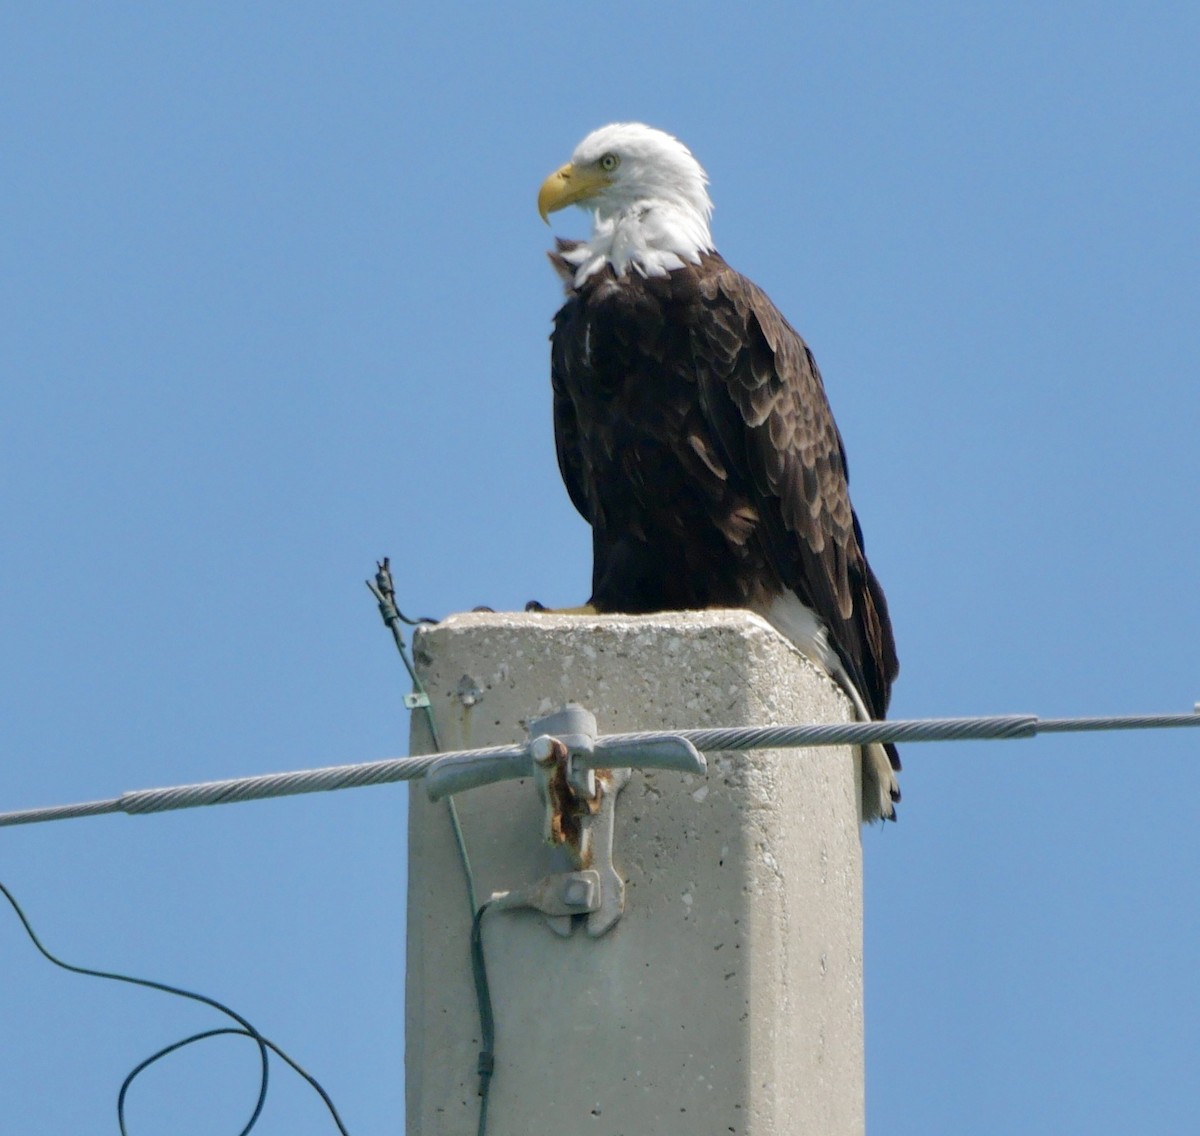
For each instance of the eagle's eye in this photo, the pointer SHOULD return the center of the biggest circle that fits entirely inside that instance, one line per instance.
(609, 163)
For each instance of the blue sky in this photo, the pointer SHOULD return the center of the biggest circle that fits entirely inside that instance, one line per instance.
(274, 304)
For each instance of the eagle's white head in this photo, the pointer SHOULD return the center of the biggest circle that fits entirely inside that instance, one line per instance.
(647, 196)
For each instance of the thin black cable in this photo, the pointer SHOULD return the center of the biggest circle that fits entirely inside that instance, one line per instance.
(229, 1030)
(245, 1029)
(138, 1069)
(383, 589)
(487, 1022)
(385, 594)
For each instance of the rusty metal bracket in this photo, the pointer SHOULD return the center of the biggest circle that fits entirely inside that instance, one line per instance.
(578, 781)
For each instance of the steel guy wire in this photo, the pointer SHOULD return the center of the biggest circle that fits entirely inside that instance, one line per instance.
(389, 770)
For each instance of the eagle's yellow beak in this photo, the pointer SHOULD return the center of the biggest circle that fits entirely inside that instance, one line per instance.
(568, 186)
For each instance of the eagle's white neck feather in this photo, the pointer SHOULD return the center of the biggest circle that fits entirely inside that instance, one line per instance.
(654, 217)
(652, 238)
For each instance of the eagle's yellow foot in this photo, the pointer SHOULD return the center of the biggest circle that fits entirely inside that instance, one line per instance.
(583, 609)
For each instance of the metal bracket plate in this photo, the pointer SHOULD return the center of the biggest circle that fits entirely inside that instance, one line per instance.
(578, 779)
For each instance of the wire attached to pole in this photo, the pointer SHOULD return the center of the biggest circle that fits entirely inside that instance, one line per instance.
(487, 1020)
(384, 590)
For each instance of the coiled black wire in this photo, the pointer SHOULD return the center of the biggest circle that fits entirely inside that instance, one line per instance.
(243, 1029)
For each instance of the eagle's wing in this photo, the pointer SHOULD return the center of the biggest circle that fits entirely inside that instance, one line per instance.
(566, 444)
(763, 398)
(566, 423)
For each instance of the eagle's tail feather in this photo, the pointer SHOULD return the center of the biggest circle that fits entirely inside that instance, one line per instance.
(879, 762)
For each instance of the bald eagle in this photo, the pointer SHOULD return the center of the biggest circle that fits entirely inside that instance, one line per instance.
(693, 432)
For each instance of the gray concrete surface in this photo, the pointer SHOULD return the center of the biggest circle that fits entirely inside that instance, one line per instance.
(728, 999)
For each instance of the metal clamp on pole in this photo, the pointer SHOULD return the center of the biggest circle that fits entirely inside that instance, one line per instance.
(578, 779)
(458, 772)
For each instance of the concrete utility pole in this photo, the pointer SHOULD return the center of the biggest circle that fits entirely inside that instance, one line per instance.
(728, 997)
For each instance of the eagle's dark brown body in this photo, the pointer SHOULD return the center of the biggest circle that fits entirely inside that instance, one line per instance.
(694, 435)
